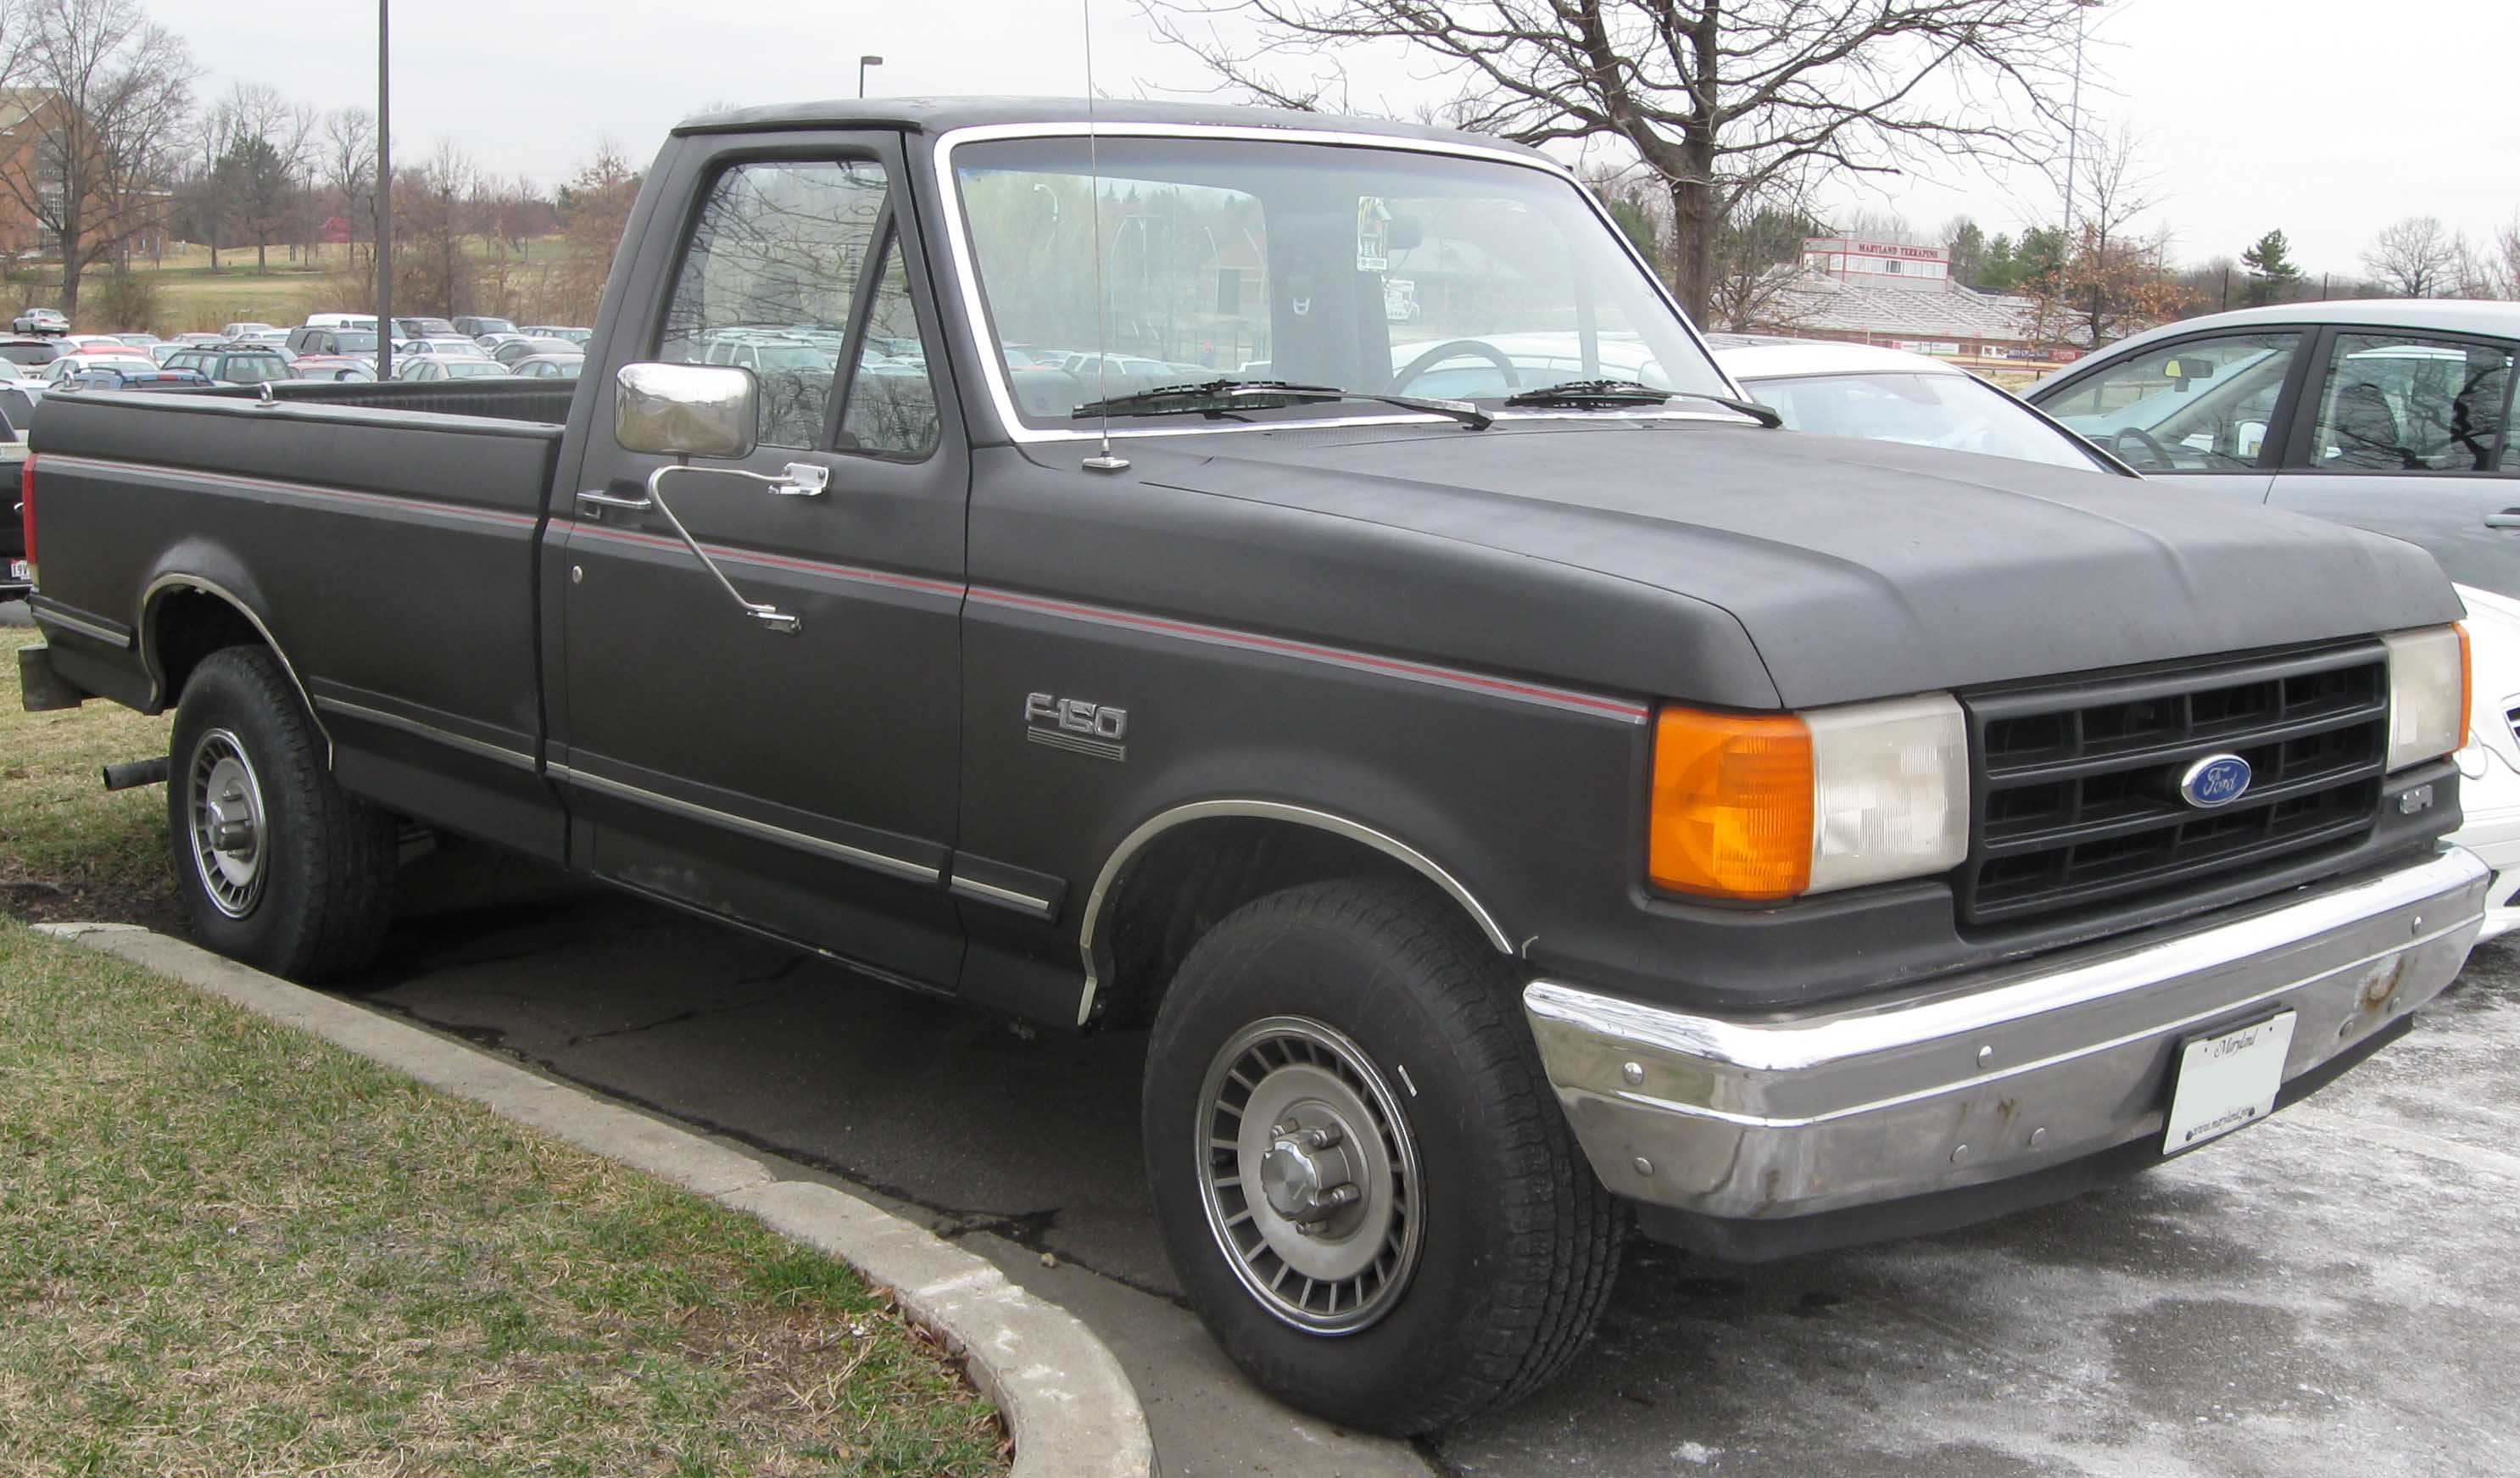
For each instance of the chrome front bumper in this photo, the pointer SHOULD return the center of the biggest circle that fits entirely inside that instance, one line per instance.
(1991, 1075)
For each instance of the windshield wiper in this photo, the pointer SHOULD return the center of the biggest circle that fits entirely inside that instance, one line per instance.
(1611, 392)
(1217, 398)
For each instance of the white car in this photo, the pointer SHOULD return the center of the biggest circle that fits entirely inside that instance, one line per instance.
(448, 348)
(1882, 394)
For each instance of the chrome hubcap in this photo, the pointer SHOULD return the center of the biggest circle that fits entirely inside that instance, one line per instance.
(1310, 1175)
(226, 803)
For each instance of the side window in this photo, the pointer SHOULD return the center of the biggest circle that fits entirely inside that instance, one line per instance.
(778, 249)
(2203, 405)
(2401, 403)
(892, 403)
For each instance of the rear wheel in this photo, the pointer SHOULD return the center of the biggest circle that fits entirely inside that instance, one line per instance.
(278, 865)
(1363, 1181)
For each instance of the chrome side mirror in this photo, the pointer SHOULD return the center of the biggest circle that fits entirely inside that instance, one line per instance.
(686, 410)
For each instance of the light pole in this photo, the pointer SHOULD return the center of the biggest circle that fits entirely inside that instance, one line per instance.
(384, 201)
(863, 63)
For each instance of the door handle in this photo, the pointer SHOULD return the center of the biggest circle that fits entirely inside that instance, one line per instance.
(2509, 517)
(602, 500)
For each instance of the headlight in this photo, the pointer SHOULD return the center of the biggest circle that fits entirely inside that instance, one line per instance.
(2428, 678)
(1769, 806)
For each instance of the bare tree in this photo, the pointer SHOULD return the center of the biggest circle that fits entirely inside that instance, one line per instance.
(1718, 98)
(266, 161)
(205, 144)
(112, 92)
(347, 160)
(2419, 258)
(2115, 279)
(435, 209)
(2502, 267)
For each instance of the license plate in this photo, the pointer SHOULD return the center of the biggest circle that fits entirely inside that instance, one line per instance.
(20, 569)
(2227, 1082)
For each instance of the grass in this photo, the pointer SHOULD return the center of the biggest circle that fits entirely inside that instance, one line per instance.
(69, 849)
(229, 1248)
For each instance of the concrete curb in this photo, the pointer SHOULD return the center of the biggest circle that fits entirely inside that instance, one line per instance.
(1072, 1410)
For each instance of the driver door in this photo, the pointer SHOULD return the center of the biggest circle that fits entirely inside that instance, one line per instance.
(797, 777)
(2206, 410)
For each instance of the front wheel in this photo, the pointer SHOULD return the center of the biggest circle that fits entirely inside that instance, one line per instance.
(1364, 1181)
(278, 865)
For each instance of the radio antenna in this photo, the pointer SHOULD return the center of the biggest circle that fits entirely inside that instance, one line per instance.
(1103, 461)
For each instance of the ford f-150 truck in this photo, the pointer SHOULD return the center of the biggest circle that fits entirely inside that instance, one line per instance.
(1017, 559)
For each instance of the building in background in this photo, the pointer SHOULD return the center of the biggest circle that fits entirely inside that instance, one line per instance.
(1902, 295)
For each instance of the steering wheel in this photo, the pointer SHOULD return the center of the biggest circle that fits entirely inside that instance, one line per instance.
(2161, 458)
(1449, 348)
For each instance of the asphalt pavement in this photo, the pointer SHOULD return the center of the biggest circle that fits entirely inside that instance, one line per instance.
(2328, 1293)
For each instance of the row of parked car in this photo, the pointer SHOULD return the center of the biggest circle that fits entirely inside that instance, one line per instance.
(327, 346)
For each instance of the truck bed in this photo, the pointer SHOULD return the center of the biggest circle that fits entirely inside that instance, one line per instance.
(389, 529)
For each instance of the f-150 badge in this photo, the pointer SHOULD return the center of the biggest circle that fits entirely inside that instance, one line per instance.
(1075, 724)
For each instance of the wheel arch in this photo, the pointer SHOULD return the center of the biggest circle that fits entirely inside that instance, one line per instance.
(1135, 929)
(183, 617)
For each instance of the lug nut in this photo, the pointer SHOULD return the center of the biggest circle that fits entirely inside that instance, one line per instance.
(1320, 1139)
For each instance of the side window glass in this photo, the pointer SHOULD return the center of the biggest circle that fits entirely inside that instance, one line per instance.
(2399, 403)
(2200, 406)
(892, 403)
(774, 262)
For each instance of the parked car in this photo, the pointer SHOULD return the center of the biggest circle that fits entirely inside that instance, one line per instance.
(2392, 416)
(236, 332)
(140, 340)
(236, 362)
(522, 347)
(550, 366)
(574, 335)
(1586, 806)
(91, 361)
(440, 347)
(125, 375)
(78, 341)
(1882, 394)
(312, 339)
(41, 321)
(422, 328)
(474, 325)
(367, 321)
(449, 366)
(162, 353)
(31, 353)
(198, 337)
(333, 367)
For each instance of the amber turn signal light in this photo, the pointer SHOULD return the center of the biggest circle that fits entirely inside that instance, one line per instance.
(1731, 804)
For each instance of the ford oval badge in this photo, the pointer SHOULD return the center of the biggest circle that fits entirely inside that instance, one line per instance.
(2217, 779)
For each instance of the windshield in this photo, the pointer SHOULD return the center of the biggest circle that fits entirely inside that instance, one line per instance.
(1374, 270)
(1956, 411)
(347, 343)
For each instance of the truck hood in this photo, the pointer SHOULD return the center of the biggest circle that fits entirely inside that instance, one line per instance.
(1858, 568)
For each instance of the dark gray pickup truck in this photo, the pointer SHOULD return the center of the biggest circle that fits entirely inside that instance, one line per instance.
(1045, 569)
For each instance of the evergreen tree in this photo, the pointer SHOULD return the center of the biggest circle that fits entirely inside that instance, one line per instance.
(2272, 273)
(1999, 272)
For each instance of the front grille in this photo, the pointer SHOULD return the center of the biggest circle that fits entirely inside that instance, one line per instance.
(2074, 789)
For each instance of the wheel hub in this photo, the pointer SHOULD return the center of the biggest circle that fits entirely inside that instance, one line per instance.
(227, 822)
(1311, 1175)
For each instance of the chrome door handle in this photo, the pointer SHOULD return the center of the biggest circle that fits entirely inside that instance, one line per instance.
(2509, 517)
(599, 499)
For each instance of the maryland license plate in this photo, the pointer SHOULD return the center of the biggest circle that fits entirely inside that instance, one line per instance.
(2226, 1082)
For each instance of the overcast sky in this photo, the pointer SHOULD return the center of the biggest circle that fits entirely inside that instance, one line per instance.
(2328, 118)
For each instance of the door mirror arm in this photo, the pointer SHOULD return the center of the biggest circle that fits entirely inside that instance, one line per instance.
(789, 484)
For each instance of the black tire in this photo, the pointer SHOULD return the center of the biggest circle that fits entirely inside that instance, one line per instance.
(1517, 1241)
(312, 897)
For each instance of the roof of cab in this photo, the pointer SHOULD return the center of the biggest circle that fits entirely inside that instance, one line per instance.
(939, 115)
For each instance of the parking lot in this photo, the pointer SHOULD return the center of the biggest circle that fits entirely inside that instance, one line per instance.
(2327, 1294)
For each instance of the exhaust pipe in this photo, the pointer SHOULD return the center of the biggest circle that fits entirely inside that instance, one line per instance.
(140, 771)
